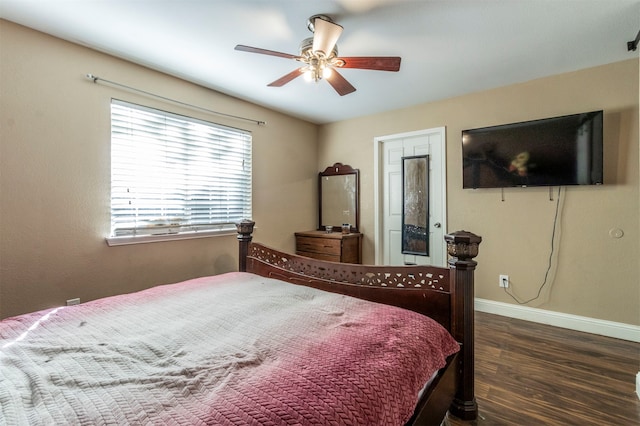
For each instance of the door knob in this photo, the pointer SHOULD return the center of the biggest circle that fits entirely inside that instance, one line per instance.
(437, 225)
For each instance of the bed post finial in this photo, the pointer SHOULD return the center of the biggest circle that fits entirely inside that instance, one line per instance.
(245, 229)
(462, 246)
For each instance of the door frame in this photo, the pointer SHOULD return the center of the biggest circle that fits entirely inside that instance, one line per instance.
(378, 143)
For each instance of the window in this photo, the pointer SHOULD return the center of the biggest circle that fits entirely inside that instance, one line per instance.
(175, 176)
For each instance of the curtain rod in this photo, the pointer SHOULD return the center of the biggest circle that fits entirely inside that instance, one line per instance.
(95, 79)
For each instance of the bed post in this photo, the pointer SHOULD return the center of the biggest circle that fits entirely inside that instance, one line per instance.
(462, 246)
(245, 229)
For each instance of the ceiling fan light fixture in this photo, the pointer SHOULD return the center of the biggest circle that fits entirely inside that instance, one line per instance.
(319, 65)
(308, 74)
(317, 70)
(306, 50)
(325, 34)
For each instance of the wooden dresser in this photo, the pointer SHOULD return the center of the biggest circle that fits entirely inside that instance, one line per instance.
(333, 246)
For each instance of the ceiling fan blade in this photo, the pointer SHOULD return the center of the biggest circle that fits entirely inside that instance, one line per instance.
(379, 63)
(325, 35)
(338, 82)
(286, 78)
(250, 49)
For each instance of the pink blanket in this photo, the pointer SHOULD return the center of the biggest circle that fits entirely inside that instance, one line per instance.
(233, 349)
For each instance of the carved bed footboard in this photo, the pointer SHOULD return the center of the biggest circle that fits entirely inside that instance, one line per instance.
(444, 294)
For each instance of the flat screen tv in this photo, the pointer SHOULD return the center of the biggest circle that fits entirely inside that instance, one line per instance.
(554, 151)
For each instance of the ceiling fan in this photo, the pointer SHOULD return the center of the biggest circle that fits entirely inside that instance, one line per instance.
(319, 54)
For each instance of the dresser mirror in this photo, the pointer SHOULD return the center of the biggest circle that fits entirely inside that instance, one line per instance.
(338, 197)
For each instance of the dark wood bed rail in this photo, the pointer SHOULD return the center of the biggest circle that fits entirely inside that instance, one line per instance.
(444, 294)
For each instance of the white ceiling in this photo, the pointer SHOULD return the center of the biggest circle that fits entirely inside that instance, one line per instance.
(448, 47)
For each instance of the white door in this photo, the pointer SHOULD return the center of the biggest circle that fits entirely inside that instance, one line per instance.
(389, 153)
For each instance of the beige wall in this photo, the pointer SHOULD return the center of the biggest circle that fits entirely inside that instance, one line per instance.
(593, 274)
(55, 176)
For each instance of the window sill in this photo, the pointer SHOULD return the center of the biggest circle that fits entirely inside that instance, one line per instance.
(143, 239)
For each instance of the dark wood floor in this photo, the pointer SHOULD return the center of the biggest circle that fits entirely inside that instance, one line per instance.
(534, 374)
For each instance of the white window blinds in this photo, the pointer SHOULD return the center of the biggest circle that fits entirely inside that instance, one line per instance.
(172, 174)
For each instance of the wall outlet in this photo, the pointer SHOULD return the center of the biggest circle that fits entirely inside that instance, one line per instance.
(72, 302)
(504, 281)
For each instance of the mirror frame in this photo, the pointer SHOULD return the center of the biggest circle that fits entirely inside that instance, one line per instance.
(339, 169)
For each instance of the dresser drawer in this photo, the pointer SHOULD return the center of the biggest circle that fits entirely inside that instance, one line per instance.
(319, 245)
(319, 256)
(332, 246)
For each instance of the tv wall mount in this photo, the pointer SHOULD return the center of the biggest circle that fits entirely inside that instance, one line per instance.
(633, 45)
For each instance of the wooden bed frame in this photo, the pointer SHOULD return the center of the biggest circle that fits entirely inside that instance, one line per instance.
(444, 294)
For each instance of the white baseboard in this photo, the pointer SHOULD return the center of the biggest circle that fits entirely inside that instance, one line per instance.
(613, 329)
